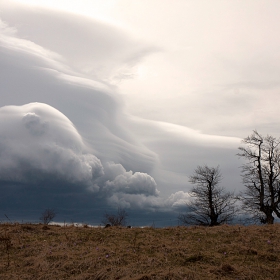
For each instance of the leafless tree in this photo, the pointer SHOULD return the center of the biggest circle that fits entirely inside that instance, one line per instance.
(260, 173)
(47, 216)
(210, 205)
(115, 219)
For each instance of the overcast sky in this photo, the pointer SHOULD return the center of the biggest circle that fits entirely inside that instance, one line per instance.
(115, 102)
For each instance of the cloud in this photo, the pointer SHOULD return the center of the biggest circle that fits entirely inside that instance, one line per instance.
(136, 183)
(88, 46)
(9, 40)
(34, 124)
(220, 72)
(132, 183)
(37, 139)
(6, 29)
(40, 144)
(138, 201)
(127, 188)
(77, 149)
(28, 77)
(178, 200)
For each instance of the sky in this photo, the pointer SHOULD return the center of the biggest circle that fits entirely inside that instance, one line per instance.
(114, 103)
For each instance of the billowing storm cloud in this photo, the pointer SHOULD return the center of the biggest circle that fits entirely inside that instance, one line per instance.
(38, 141)
(65, 139)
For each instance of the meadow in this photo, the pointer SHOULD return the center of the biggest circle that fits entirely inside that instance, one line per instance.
(30, 251)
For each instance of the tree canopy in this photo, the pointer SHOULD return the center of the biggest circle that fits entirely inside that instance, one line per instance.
(210, 204)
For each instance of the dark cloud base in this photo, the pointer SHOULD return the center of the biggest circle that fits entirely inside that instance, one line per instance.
(22, 203)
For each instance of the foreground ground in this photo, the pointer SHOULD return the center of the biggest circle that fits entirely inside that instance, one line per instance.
(227, 252)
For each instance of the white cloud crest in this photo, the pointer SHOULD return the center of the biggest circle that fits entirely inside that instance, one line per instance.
(133, 183)
(178, 199)
(36, 138)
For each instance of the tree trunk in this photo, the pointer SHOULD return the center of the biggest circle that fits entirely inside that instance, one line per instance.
(269, 219)
(214, 221)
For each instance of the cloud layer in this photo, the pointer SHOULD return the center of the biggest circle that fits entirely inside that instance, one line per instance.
(76, 149)
(93, 48)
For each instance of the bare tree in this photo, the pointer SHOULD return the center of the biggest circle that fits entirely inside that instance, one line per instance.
(117, 219)
(210, 205)
(47, 216)
(260, 175)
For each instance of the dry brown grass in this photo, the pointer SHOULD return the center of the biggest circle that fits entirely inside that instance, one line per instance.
(54, 252)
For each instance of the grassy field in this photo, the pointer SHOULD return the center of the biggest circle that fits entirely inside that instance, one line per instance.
(30, 251)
